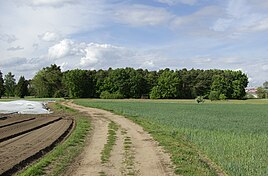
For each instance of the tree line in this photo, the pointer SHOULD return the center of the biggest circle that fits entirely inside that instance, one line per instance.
(131, 83)
(9, 88)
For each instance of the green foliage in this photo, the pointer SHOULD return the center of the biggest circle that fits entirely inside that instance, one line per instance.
(130, 83)
(200, 99)
(47, 81)
(167, 86)
(10, 84)
(214, 95)
(79, 83)
(155, 93)
(265, 85)
(232, 135)
(2, 88)
(230, 83)
(22, 88)
(108, 95)
(261, 92)
(222, 97)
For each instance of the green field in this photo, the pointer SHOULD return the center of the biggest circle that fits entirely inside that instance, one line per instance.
(232, 134)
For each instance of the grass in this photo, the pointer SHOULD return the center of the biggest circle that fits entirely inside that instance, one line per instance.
(129, 157)
(30, 98)
(111, 139)
(203, 138)
(56, 161)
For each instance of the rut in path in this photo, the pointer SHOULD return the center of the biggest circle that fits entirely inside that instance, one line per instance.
(135, 151)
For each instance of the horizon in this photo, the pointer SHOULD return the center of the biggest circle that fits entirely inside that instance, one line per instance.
(153, 35)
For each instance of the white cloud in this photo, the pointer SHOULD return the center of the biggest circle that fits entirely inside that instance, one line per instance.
(141, 15)
(148, 64)
(51, 3)
(8, 38)
(197, 20)
(174, 2)
(241, 18)
(103, 54)
(238, 8)
(15, 48)
(49, 36)
(61, 49)
(222, 24)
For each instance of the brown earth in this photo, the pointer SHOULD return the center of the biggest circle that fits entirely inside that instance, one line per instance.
(25, 138)
(135, 151)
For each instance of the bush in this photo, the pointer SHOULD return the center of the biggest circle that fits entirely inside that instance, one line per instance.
(108, 95)
(222, 97)
(214, 95)
(200, 99)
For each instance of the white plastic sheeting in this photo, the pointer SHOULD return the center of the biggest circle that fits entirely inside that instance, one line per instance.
(23, 107)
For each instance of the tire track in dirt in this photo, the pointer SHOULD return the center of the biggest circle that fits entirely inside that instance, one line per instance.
(90, 162)
(135, 152)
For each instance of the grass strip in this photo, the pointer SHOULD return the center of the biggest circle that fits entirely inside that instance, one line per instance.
(106, 152)
(55, 162)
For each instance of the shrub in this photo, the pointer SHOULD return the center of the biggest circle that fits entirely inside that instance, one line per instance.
(108, 95)
(214, 95)
(200, 99)
(222, 97)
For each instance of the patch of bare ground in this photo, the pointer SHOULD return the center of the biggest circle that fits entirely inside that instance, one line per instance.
(134, 153)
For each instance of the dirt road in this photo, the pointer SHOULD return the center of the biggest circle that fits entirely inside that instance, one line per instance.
(134, 152)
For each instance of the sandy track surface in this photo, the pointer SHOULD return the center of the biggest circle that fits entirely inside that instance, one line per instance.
(29, 140)
(135, 151)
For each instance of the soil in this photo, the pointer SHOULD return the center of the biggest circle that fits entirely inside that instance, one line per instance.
(25, 138)
(135, 151)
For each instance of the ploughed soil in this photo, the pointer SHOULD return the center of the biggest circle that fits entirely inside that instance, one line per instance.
(24, 138)
(134, 153)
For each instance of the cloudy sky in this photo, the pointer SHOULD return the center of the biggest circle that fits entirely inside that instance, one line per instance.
(152, 34)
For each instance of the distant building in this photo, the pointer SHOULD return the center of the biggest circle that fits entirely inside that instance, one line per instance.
(252, 91)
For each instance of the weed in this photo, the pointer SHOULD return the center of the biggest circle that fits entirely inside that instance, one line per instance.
(106, 152)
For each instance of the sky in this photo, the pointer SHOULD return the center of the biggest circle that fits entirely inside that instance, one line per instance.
(148, 34)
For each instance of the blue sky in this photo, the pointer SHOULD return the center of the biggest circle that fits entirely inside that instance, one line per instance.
(152, 34)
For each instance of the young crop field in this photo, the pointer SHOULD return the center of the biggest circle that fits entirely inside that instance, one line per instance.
(232, 135)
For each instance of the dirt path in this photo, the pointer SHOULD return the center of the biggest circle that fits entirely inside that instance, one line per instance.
(134, 153)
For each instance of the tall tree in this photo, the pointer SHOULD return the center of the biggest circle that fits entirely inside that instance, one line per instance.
(22, 87)
(265, 85)
(2, 88)
(47, 82)
(10, 84)
(168, 85)
(79, 83)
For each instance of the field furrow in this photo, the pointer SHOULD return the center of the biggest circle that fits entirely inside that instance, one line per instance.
(18, 151)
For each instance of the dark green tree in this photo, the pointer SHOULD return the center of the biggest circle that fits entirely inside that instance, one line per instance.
(79, 83)
(265, 85)
(10, 84)
(47, 82)
(2, 88)
(167, 86)
(22, 87)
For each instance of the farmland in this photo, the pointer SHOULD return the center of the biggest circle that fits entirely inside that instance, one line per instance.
(233, 135)
(25, 138)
